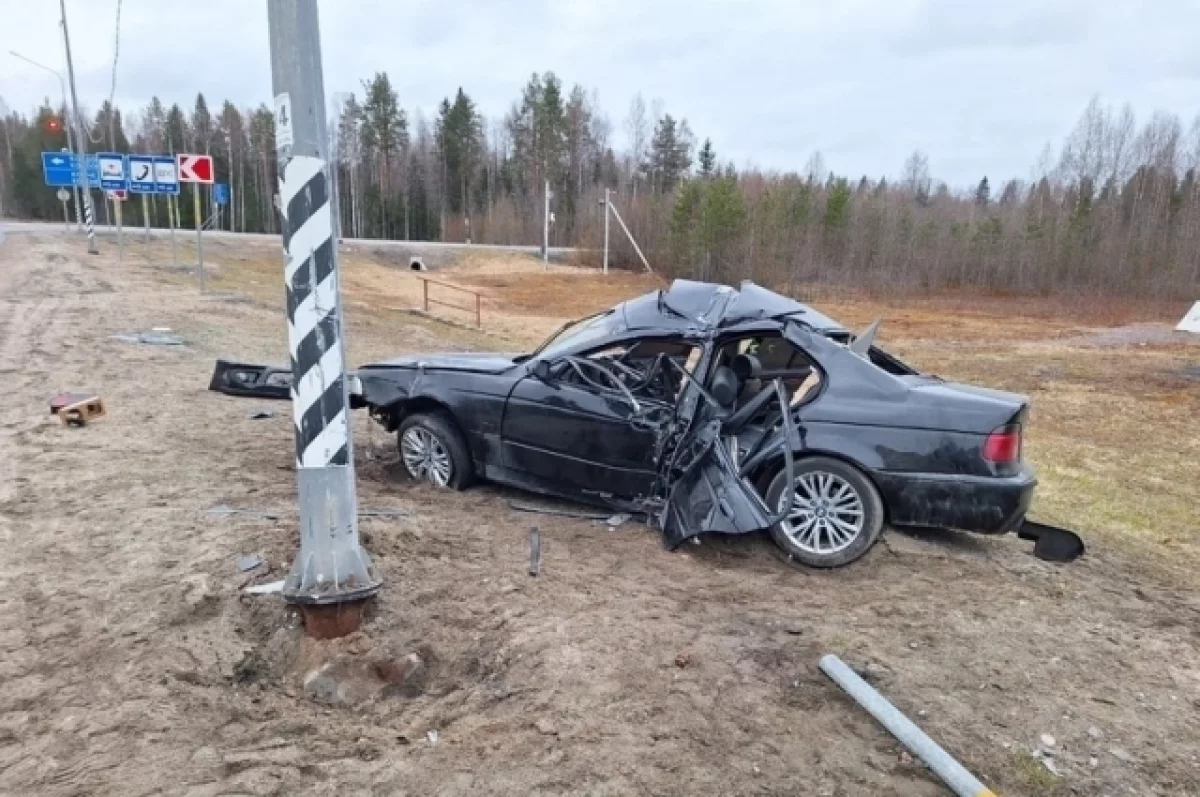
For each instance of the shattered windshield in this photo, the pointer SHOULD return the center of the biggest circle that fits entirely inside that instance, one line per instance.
(575, 334)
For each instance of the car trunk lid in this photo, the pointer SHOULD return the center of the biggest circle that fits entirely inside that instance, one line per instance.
(959, 407)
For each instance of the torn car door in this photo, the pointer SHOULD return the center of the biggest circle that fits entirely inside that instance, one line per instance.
(707, 478)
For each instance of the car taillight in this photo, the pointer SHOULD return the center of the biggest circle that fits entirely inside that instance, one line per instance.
(1003, 446)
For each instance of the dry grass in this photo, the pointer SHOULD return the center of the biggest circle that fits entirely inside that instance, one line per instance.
(1113, 431)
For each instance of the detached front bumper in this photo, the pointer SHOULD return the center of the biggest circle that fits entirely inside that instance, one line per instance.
(980, 504)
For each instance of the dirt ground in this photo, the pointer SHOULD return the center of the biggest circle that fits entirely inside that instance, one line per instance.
(131, 662)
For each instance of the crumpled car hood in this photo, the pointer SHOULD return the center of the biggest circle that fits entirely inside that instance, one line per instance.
(470, 362)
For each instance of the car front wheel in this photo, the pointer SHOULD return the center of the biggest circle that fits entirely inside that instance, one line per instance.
(433, 451)
(835, 513)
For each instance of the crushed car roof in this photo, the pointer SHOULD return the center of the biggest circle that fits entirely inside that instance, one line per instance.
(704, 306)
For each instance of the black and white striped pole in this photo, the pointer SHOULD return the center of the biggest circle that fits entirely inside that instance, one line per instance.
(88, 219)
(332, 575)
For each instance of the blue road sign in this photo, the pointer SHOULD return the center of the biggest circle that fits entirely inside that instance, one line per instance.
(141, 174)
(62, 168)
(221, 193)
(93, 170)
(59, 168)
(166, 175)
(114, 174)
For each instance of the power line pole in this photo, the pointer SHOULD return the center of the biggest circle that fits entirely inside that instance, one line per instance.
(607, 194)
(546, 227)
(81, 137)
(629, 235)
(332, 576)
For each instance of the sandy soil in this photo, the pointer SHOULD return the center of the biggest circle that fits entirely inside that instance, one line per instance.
(132, 664)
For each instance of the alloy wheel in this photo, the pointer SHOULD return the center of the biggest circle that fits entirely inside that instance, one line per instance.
(826, 513)
(425, 457)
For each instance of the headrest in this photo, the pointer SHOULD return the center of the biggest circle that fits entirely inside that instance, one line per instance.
(746, 366)
(725, 386)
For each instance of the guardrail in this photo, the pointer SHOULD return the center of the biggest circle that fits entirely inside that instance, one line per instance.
(426, 300)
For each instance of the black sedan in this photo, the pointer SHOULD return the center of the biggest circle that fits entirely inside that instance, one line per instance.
(712, 409)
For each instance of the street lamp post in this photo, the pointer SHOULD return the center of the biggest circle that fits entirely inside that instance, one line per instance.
(332, 575)
(62, 85)
(88, 216)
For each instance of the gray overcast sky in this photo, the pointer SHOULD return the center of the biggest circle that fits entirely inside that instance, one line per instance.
(980, 86)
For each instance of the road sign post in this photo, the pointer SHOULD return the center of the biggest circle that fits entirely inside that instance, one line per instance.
(199, 238)
(171, 221)
(63, 196)
(197, 170)
(114, 177)
(117, 196)
(332, 576)
(146, 216)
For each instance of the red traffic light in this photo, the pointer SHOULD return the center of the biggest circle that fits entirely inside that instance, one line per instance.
(53, 125)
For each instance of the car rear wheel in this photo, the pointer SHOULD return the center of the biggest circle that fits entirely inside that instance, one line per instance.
(433, 451)
(835, 513)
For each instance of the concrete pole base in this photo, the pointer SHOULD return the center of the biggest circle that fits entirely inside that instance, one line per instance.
(332, 620)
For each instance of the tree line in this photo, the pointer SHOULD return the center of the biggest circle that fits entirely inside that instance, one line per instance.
(1116, 210)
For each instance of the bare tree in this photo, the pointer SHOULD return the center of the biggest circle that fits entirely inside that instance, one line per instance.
(916, 175)
(637, 128)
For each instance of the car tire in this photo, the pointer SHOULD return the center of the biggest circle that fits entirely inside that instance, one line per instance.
(432, 450)
(841, 516)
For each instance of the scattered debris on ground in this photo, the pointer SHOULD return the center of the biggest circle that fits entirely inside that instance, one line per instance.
(952, 773)
(558, 510)
(248, 562)
(270, 588)
(535, 552)
(77, 409)
(155, 337)
(225, 510)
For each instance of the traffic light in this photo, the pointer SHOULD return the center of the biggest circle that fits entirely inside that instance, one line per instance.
(53, 124)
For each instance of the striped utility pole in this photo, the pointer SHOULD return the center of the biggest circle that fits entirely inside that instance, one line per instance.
(89, 221)
(332, 575)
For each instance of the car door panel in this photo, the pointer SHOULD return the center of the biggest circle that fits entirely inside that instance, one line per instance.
(578, 437)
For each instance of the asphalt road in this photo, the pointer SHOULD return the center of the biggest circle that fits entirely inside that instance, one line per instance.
(556, 252)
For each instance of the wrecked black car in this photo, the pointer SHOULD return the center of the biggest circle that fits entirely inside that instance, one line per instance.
(712, 409)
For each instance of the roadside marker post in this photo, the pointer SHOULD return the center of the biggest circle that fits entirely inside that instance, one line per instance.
(197, 170)
(332, 576)
(63, 196)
